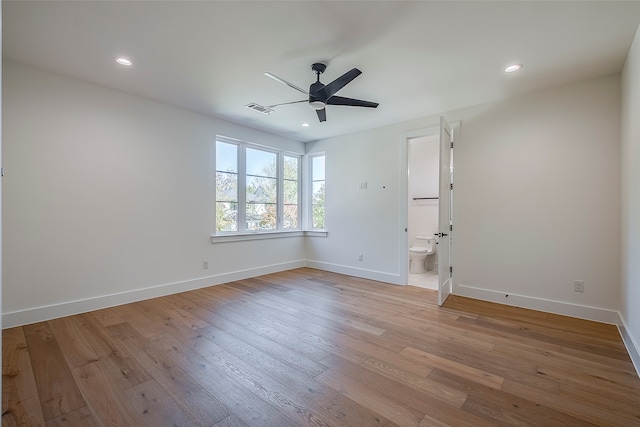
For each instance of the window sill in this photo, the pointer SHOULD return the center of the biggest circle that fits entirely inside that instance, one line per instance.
(224, 238)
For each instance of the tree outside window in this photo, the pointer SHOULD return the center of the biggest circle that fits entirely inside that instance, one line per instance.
(317, 192)
(261, 190)
(259, 193)
(226, 187)
(291, 190)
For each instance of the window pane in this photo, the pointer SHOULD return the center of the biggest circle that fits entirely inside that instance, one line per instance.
(318, 192)
(226, 187)
(291, 192)
(261, 190)
(261, 163)
(290, 219)
(318, 216)
(226, 157)
(317, 205)
(291, 168)
(317, 168)
(261, 216)
(226, 216)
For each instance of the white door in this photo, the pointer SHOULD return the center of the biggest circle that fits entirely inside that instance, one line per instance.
(445, 224)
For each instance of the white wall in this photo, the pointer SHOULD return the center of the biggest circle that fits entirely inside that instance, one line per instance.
(424, 168)
(360, 221)
(108, 197)
(537, 198)
(630, 298)
(536, 203)
(1, 188)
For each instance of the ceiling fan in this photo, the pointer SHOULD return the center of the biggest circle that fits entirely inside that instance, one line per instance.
(321, 95)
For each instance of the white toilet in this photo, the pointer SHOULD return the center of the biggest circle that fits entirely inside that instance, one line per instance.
(423, 246)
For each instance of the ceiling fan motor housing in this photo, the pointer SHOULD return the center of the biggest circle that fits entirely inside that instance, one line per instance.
(316, 98)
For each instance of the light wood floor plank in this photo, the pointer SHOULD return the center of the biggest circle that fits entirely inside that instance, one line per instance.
(56, 386)
(106, 401)
(313, 348)
(79, 418)
(156, 407)
(75, 347)
(249, 407)
(468, 372)
(20, 399)
(373, 400)
(448, 395)
(503, 408)
(125, 371)
(201, 405)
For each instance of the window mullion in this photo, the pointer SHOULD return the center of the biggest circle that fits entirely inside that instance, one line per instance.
(300, 187)
(305, 184)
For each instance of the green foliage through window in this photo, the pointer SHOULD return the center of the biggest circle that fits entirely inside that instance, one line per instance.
(248, 195)
(317, 192)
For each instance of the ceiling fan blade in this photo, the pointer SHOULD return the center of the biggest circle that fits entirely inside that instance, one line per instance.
(287, 103)
(339, 100)
(284, 82)
(322, 115)
(329, 90)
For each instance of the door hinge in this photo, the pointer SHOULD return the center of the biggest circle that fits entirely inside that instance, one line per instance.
(450, 227)
(451, 144)
(451, 186)
(450, 269)
(1, 171)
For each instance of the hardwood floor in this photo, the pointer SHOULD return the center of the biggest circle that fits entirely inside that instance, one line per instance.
(307, 347)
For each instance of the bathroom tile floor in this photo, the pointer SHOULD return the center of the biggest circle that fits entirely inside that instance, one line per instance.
(428, 280)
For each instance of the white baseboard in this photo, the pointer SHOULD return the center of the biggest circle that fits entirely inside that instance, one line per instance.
(557, 307)
(632, 345)
(380, 276)
(40, 314)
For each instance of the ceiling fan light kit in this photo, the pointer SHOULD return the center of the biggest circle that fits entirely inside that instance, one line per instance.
(317, 105)
(321, 95)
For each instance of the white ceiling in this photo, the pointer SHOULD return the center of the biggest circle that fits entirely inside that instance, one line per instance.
(417, 58)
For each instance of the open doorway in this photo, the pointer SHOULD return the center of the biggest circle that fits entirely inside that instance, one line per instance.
(422, 210)
(427, 208)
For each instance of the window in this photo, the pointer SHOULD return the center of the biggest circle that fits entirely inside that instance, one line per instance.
(291, 184)
(261, 183)
(317, 192)
(226, 187)
(257, 188)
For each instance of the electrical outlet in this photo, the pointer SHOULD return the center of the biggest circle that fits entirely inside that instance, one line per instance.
(360, 257)
(205, 264)
(578, 285)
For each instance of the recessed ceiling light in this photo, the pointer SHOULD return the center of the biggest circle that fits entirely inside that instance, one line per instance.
(124, 61)
(512, 68)
(305, 125)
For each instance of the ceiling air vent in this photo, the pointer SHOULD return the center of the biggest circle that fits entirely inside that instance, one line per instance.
(259, 108)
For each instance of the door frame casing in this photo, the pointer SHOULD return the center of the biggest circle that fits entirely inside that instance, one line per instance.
(403, 249)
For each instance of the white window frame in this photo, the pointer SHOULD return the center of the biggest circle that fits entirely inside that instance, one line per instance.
(242, 233)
